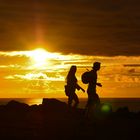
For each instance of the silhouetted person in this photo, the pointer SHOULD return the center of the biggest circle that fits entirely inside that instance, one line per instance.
(71, 87)
(93, 98)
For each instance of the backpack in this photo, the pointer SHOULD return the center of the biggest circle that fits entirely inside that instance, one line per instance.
(85, 77)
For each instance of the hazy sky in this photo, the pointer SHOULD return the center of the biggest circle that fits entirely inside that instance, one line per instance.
(92, 27)
(72, 32)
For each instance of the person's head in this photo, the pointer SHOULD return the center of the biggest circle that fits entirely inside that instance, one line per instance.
(71, 72)
(96, 66)
(73, 69)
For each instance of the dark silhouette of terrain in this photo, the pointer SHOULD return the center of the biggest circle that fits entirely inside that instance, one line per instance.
(54, 119)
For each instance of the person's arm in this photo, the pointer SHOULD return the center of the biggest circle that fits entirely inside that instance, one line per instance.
(82, 89)
(78, 87)
(99, 84)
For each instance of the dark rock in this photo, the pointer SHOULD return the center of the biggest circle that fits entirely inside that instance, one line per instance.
(53, 119)
(54, 104)
(17, 106)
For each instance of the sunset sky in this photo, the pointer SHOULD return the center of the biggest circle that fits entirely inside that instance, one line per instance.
(41, 39)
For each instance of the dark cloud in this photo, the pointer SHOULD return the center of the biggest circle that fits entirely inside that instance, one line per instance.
(94, 27)
(131, 65)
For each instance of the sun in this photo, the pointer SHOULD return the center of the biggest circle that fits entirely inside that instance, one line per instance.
(42, 59)
(39, 55)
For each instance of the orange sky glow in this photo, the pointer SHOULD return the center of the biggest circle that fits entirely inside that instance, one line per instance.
(38, 73)
(40, 40)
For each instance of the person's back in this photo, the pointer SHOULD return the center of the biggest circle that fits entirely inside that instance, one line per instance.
(71, 83)
(92, 82)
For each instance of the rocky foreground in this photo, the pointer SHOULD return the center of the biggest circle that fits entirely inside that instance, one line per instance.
(53, 119)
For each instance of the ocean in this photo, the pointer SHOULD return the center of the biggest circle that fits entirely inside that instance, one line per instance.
(132, 103)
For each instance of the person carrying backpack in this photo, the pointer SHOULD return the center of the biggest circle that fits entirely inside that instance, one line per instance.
(90, 78)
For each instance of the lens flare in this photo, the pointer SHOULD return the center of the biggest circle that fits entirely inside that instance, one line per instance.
(106, 108)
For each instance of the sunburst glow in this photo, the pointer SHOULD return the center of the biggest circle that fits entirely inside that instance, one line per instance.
(39, 55)
(41, 58)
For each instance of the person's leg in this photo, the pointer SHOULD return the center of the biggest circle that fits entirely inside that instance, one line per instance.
(96, 99)
(88, 107)
(75, 98)
(70, 101)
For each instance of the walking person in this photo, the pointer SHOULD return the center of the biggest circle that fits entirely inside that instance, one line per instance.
(71, 87)
(90, 78)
